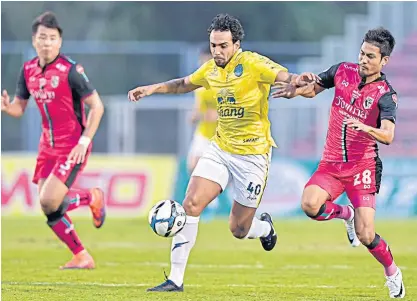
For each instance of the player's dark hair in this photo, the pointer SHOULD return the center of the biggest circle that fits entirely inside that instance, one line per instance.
(381, 38)
(225, 22)
(47, 19)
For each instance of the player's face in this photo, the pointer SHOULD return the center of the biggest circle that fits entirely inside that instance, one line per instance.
(47, 43)
(222, 47)
(370, 60)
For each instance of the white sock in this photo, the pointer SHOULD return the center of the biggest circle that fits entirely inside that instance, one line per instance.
(182, 243)
(258, 229)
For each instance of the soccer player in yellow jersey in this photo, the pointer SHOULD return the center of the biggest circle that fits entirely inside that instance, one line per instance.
(205, 115)
(240, 152)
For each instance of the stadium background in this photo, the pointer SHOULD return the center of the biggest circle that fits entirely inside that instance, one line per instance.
(140, 149)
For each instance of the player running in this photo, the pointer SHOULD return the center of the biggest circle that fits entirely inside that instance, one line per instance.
(363, 112)
(240, 152)
(60, 88)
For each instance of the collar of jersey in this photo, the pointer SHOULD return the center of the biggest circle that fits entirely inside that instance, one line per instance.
(232, 61)
(363, 81)
(48, 64)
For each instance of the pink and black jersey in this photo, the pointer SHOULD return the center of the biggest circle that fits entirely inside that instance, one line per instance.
(58, 89)
(369, 103)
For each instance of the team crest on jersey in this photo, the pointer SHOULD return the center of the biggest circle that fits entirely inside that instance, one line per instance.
(54, 81)
(368, 102)
(238, 70)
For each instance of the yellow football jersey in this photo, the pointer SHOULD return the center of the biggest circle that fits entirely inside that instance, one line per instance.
(206, 101)
(241, 90)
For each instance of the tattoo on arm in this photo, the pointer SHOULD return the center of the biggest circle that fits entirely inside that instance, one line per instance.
(174, 86)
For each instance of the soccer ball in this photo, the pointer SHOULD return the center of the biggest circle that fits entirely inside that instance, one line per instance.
(167, 218)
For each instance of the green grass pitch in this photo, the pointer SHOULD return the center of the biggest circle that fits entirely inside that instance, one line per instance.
(312, 261)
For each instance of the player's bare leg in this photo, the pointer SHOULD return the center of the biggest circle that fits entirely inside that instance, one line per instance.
(317, 205)
(55, 204)
(244, 224)
(365, 229)
(199, 194)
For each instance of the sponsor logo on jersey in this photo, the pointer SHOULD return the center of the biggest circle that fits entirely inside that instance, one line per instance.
(355, 95)
(30, 66)
(42, 83)
(42, 96)
(351, 109)
(381, 89)
(238, 112)
(356, 69)
(79, 68)
(228, 108)
(61, 67)
(225, 96)
(214, 72)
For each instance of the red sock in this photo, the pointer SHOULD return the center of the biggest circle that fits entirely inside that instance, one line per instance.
(381, 251)
(331, 210)
(64, 229)
(77, 198)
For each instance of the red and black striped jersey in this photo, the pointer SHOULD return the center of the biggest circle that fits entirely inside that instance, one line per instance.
(58, 89)
(353, 98)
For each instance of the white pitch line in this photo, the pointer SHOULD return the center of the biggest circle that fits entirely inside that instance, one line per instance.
(191, 265)
(187, 285)
(232, 266)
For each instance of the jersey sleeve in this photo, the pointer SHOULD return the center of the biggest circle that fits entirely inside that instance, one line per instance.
(327, 77)
(198, 78)
(388, 105)
(21, 88)
(79, 82)
(265, 69)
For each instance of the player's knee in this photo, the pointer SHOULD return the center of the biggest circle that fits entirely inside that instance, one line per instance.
(238, 231)
(47, 205)
(191, 205)
(310, 205)
(54, 216)
(365, 234)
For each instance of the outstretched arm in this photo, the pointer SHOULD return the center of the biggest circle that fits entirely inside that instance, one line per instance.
(291, 90)
(306, 84)
(174, 86)
(298, 80)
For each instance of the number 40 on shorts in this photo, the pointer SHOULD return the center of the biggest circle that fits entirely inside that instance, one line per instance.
(365, 179)
(254, 189)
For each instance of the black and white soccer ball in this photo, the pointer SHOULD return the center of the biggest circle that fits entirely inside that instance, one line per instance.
(167, 218)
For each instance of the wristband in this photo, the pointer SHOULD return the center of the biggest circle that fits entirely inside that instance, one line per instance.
(84, 140)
